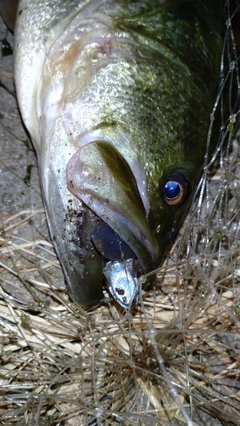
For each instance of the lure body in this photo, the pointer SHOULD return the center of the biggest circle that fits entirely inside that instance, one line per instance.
(123, 284)
(116, 96)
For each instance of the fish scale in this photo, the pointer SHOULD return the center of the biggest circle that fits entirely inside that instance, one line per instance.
(116, 97)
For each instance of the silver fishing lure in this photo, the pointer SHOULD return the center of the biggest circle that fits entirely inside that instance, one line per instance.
(122, 282)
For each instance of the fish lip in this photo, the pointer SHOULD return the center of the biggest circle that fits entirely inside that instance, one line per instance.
(99, 176)
(131, 235)
(121, 142)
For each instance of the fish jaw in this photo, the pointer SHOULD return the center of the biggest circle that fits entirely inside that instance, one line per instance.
(73, 216)
(100, 176)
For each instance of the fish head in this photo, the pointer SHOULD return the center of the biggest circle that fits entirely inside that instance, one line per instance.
(138, 156)
(119, 119)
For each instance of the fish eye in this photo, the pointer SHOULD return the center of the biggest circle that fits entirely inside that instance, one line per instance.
(175, 189)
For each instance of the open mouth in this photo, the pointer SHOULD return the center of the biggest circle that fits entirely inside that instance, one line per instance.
(122, 268)
(99, 176)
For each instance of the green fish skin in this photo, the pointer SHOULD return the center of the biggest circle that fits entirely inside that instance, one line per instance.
(116, 96)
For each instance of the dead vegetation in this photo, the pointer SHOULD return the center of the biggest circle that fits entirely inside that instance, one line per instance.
(174, 360)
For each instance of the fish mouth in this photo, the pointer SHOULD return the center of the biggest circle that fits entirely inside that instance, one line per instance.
(103, 180)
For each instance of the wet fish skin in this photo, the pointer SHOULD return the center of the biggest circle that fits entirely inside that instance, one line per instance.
(116, 97)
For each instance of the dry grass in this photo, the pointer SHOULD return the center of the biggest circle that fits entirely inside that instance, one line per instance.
(174, 360)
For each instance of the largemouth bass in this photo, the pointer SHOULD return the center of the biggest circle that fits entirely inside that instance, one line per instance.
(116, 96)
